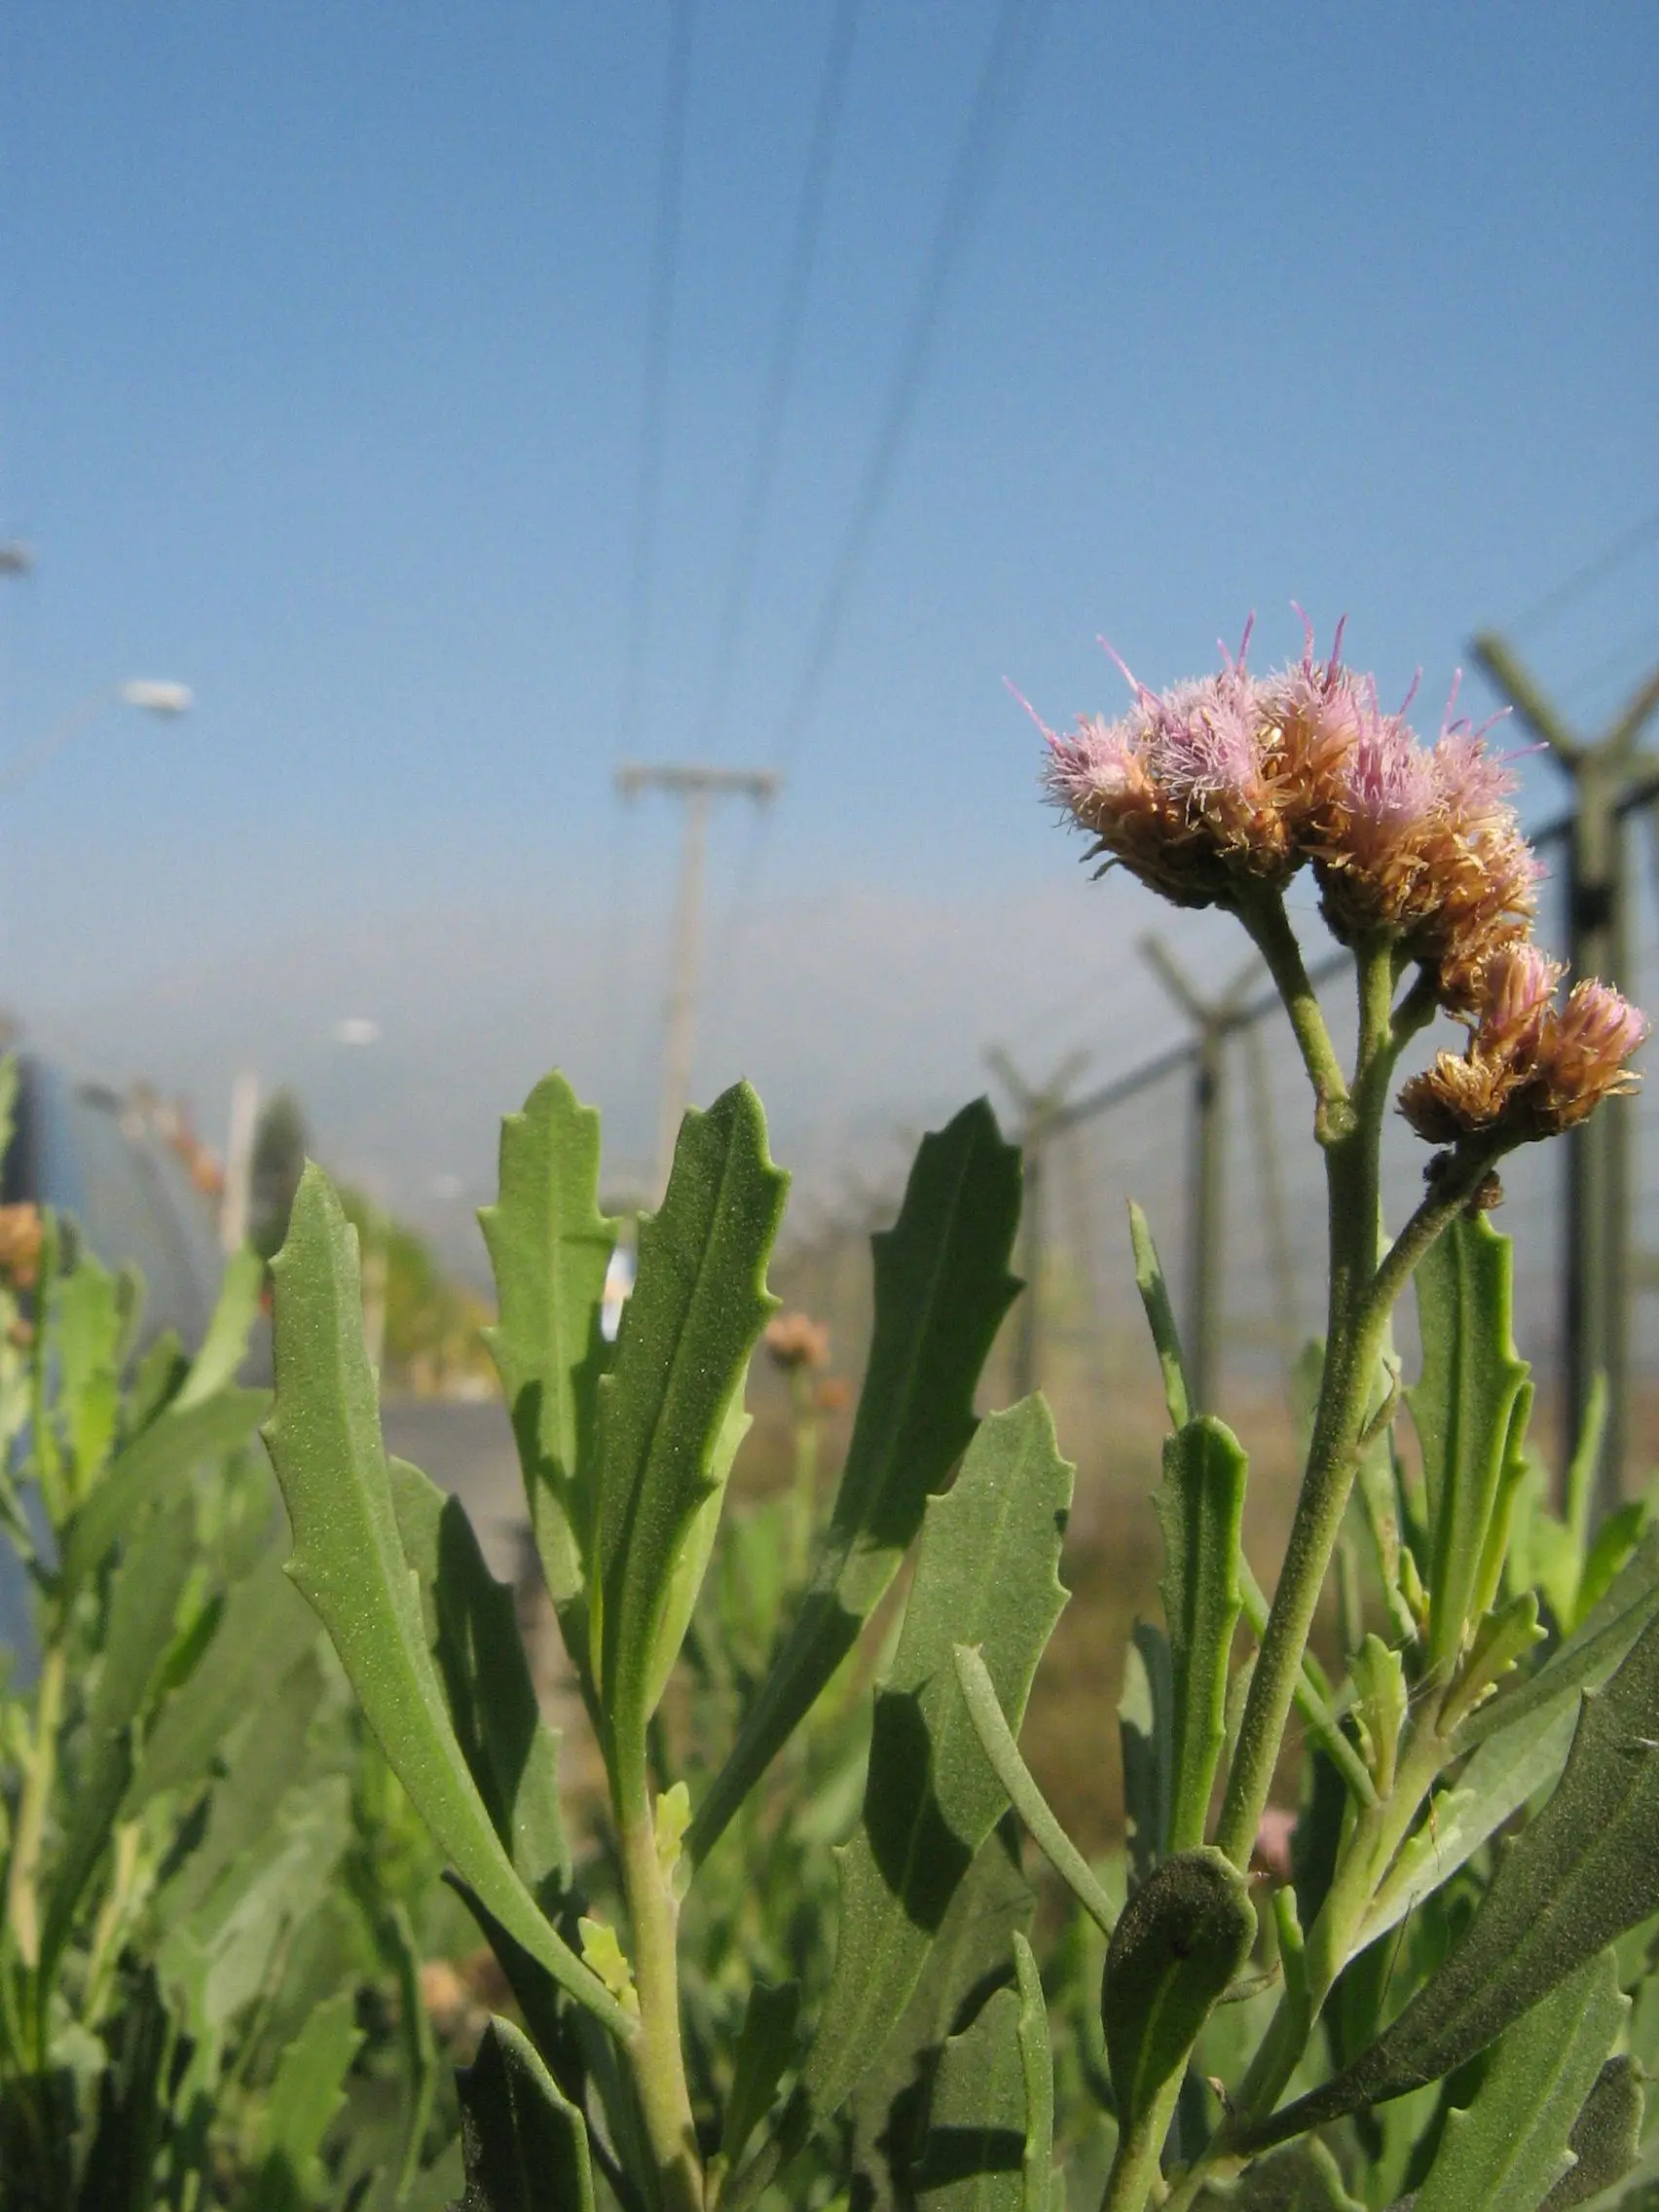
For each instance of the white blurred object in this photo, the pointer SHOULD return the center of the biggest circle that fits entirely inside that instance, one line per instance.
(157, 696)
(239, 1161)
(618, 1283)
(356, 1029)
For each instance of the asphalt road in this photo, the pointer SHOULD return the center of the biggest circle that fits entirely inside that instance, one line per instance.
(469, 1450)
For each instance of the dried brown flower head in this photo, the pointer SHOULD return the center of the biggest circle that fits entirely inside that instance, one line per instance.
(795, 1340)
(19, 1244)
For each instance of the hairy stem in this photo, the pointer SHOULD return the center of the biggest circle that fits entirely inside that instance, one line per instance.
(655, 2054)
(1268, 926)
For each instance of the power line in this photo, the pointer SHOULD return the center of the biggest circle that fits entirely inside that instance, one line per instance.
(664, 267)
(1584, 579)
(996, 101)
(785, 352)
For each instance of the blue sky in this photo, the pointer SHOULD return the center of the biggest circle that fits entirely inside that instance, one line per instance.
(322, 343)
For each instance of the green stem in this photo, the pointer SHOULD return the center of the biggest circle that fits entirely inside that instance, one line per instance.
(1268, 926)
(655, 2054)
(1137, 2166)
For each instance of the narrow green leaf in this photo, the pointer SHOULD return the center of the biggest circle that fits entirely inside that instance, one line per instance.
(549, 1249)
(1519, 1739)
(1580, 1874)
(305, 2097)
(1160, 1319)
(686, 1578)
(264, 1630)
(1507, 2151)
(420, 2045)
(1305, 2178)
(973, 2155)
(143, 1612)
(1146, 1725)
(941, 1288)
(1037, 2064)
(1462, 1407)
(155, 1465)
(348, 1561)
(87, 1333)
(888, 2110)
(1200, 1506)
(471, 1631)
(698, 1306)
(987, 1573)
(225, 1346)
(1181, 1939)
(1605, 2138)
(996, 1739)
(525, 2143)
(764, 2049)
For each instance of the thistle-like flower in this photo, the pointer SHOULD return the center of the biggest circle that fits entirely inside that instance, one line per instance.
(1531, 1070)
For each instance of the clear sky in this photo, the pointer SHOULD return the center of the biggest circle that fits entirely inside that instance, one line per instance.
(323, 387)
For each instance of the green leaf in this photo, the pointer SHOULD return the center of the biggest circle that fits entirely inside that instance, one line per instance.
(304, 2096)
(225, 1346)
(1160, 1319)
(996, 1741)
(1146, 1725)
(764, 2049)
(1305, 2178)
(941, 1288)
(525, 2143)
(1462, 1407)
(1506, 2152)
(698, 1306)
(693, 1564)
(549, 1249)
(143, 1612)
(973, 2155)
(1520, 1739)
(132, 2105)
(1181, 1939)
(153, 1467)
(1580, 1874)
(471, 1630)
(1200, 1506)
(264, 1630)
(986, 1573)
(1606, 2137)
(1037, 2064)
(348, 1561)
(88, 1325)
(888, 2110)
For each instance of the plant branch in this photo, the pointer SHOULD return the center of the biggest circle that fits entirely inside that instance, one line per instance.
(1268, 926)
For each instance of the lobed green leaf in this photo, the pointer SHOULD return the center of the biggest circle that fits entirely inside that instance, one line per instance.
(974, 2153)
(941, 1288)
(1200, 1506)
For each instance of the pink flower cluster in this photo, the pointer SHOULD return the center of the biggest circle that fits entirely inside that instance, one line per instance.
(1219, 790)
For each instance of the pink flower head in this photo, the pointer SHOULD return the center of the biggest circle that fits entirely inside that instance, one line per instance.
(1582, 1052)
(1519, 982)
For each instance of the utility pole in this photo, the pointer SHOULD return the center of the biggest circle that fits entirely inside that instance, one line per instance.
(1206, 1196)
(1038, 1106)
(698, 788)
(1599, 1276)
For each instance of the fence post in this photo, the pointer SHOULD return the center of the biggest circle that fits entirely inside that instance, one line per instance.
(1598, 1275)
(1038, 1105)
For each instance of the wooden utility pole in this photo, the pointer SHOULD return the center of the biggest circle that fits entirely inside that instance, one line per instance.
(698, 787)
(1598, 1274)
(1038, 1106)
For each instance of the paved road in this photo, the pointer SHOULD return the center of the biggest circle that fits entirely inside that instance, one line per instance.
(469, 1450)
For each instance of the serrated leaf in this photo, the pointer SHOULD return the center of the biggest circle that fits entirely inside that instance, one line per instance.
(1606, 2137)
(265, 1628)
(1506, 2152)
(973, 2155)
(304, 2096)
(1461, 1408)
(153, 1467)
(471, 1630)
(698, 1306)
(1200, 1506)
(348, 1559)
(523, 2142)
(941, 1288)
(1037, 2066)
(986, 1573)
(143, 1612)
(1180, 1940)
(224, 1347)
(888, 2109)
(1145, 1725)
(693, 1564)
(1580, 1874)
(549, 1249)
(1520, 1740)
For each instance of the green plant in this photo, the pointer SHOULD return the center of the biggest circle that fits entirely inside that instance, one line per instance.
(208, 1982)
(1407, 2007)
